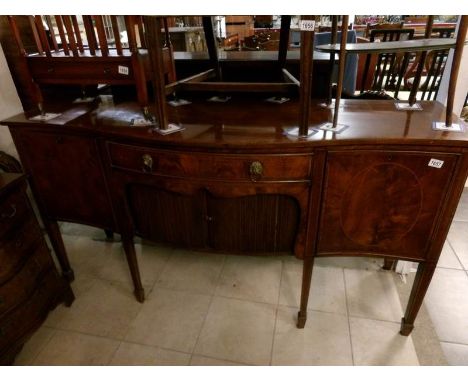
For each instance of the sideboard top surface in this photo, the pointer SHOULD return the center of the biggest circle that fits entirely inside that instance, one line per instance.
(253, 123)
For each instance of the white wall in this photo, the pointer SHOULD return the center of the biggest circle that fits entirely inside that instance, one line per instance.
(9, 105)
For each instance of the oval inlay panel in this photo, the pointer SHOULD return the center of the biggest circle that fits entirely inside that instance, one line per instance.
(381, 204)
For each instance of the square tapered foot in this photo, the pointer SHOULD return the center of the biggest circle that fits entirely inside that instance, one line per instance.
(69, 275)
(140, 295)
(301, 320)
(405, 329)
(68, 297)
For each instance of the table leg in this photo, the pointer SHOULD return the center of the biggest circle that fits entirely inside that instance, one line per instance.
(129, 249)
(306, 279)
(55, 237)
(388, 264)
(421, 283)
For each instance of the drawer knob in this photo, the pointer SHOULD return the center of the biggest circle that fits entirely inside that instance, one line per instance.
(256, 170)
(147, 163)
(12, 213)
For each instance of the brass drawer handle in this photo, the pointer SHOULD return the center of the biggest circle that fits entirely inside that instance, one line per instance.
(147, 163)
(256, 170)
(11, 214)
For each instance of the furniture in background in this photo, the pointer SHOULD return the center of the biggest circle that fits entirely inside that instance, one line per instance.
(351, 65)
(30, 286)
(435, 65)
(390, 68)
(70, 55)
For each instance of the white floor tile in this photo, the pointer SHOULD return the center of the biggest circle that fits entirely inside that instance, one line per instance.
(372, 295)
(251, 278)
(323, 341)
(327, 291)
(238, 331)
(447, 303)
(379, 343)
(170, 319)
(456, 354)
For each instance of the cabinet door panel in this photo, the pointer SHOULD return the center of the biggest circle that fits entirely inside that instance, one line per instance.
(166, 216)
(67, 177)
(382, 202)
(257, 224)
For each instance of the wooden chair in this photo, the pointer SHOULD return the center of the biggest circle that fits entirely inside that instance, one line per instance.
(370, 27)
(64, 53)
(435, 65)
(390, 68)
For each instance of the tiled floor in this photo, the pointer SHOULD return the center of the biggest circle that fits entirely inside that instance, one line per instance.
(205, 309)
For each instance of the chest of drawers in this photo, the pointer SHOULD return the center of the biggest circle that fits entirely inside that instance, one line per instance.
(29, 282)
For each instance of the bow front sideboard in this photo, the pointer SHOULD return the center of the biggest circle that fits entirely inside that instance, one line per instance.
(233, 181)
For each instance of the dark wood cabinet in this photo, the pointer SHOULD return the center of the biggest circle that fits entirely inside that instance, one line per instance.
(67, 175)
(29, 283)
(387, 186)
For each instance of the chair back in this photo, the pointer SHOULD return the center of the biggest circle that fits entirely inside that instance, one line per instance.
(370, 27)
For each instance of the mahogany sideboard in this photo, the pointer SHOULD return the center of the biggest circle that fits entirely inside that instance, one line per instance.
(233, 181)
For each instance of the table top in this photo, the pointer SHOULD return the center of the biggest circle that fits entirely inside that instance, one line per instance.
(245, 122)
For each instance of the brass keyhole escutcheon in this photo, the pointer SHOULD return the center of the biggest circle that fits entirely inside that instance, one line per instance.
(147, 163)
(256, 170)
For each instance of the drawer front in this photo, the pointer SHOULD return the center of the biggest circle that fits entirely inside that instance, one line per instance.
(77, 71)
(14, 325)
(12, 209)
(22, 285)
(248, 167)
(16, 246)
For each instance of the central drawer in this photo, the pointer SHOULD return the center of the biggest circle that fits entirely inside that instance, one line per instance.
(241, 167)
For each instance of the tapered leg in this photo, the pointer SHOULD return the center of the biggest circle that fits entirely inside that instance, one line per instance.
(129, 249)
(55, 237)
(388, 264)
(68, 296)
(109, 235)
(306, 278)
(421, 283)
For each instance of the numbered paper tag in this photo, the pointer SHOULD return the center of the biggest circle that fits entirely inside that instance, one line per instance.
(123, 70)
(436, 163)
(307, 25)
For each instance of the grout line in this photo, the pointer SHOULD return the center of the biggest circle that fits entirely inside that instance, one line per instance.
(120, 340)
(213, 294)
(276, 314)
(348, 316)
(114, 353)
(453, 343)
(43, 347)
(219, 359)
(376, 319)
(455, 253)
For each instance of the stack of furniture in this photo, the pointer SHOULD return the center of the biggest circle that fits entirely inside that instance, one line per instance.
(30, 285)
